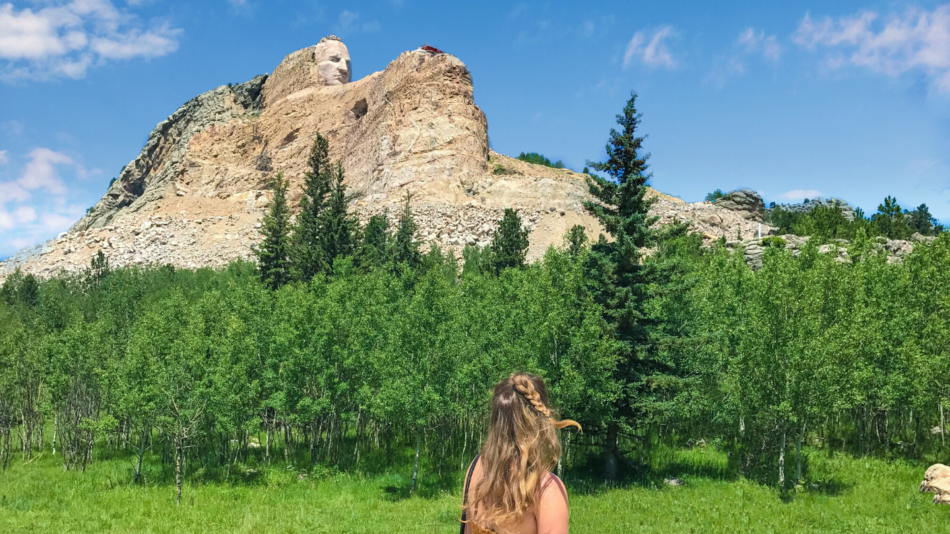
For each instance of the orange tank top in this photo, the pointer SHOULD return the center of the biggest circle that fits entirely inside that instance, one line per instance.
(475, 528)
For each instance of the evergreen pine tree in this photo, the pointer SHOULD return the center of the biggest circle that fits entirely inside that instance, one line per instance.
(576, 240)
(307, 255)
(510, 243)
(405, 247)
(339, 232)
(274, 251)
(921, 221)
(890, 221)
(615, 269)
(376, 241)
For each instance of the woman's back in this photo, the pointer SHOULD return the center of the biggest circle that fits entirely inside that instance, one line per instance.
(548, 516)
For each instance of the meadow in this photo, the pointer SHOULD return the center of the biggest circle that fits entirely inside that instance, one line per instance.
(843, 494)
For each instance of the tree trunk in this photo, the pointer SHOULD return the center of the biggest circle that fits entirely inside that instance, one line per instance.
(781, 462)
(415, 468)
(943, 427)
(179, 452)
(798, 455)
(611, 453)
(138, 467)
(267, 443)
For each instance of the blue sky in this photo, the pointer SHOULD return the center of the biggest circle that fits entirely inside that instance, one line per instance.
(792, 99)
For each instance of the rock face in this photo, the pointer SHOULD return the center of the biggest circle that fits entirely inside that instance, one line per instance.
(745, 201)
(937, 480)
(155, 173)
(195, 194)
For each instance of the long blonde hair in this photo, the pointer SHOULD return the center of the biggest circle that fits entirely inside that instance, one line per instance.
(521, 448)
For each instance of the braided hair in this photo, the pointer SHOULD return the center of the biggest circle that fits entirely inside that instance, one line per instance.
(523, 383)
(521, 449)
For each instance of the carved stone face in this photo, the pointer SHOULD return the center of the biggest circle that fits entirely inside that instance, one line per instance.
(333, 62)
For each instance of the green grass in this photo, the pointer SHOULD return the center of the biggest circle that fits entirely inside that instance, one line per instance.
(845, 495)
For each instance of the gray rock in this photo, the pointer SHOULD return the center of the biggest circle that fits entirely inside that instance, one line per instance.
(746, 201)
(917, 237)
(140, 182)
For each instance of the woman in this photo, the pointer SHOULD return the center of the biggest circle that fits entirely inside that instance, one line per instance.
(510, 488)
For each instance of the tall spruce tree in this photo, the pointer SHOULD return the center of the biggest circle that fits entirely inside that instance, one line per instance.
(615, 270)
(376, 241)
(339, 231)
(273, 254)
(405, 247)
(576, 240)
(921, 221)
(307, 254)
(510, 243)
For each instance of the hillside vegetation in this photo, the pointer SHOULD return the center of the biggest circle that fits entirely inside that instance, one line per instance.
(347, 349)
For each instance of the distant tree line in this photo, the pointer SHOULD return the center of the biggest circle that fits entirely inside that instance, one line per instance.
(827, 222)
(538, 159)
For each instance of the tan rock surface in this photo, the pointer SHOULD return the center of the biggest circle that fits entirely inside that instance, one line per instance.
(936, 480)
(195, 194)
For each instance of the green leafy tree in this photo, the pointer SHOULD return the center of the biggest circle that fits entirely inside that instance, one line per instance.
(715, 195)
(784, 220)
(510, 243)
(476, 261)
(622, 208)
(273, 253)
(824, 223)
(307, 254)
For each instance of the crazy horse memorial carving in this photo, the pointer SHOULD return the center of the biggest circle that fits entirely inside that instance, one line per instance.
(195, 194)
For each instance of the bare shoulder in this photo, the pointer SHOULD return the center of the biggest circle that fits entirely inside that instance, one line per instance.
(553, 490)
(553, 515)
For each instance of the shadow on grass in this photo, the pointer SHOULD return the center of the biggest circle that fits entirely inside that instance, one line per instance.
(588, 478)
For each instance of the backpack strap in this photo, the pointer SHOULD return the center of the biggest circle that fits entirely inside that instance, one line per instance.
(468, 479)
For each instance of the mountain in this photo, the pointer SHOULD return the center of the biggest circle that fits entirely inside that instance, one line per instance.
(196, 192)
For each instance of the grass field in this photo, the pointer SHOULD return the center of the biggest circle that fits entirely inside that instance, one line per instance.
(845, 495)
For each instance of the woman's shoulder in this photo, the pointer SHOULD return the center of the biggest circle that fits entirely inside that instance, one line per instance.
(552, 489)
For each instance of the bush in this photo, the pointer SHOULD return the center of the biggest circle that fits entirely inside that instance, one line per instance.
(715, 195)
(784, 220)
(773, 241)
(500, 170)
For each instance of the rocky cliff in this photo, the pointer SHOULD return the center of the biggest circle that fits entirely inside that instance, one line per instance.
(195, 194)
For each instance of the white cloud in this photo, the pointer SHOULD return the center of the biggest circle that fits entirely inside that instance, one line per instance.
(55, 223)
(797, 195)
(751, 42)
(349, 21)
(65, 39)
(3, 157)
(754, 42)
(915, 40)
(39, 173)
(650, 50)
(20, 216)
(39, 204)
(12, 192)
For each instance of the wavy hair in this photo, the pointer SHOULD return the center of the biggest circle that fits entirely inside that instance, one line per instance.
(521, 447)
